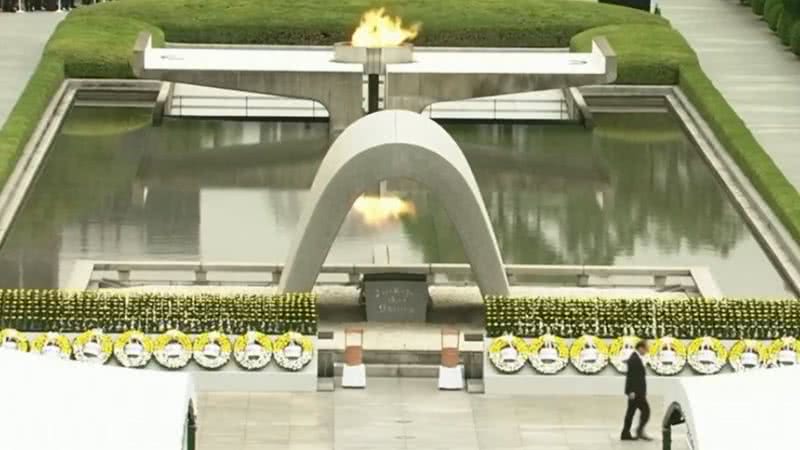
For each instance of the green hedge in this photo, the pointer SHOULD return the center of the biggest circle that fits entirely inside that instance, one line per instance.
(794, 39)
(73, 312)
(757, 6)
(731, 131)
(647, 318)
(773, 9)
(645, 54)
(517, 23)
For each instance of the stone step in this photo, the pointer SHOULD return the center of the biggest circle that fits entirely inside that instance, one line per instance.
(396, 370)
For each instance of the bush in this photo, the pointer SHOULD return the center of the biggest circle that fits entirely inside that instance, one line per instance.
(785, 24)
(74, 311)
(757, 6)
(794, 40)
(772, 13)
(518, 23)
(647, 318)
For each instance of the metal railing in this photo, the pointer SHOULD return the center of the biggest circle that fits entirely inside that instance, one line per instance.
(90, 274)
(282, 107)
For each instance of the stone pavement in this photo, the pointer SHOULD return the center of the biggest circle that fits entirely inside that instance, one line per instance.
(23, 37)
(409, 413)
(758, 76)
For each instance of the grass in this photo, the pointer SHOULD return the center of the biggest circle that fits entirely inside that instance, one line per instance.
(96, 42)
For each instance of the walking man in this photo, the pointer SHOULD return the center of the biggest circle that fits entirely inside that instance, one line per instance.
(636, 390)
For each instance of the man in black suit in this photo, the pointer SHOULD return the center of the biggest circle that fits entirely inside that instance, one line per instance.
(636, 390)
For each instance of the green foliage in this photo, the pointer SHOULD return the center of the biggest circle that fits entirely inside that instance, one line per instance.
(785, 24)
(648, 318)
(773, 9)
(77, 311)
(740, 143)
(518, 23)
(757, 6)
(794, 39)
(646, 54)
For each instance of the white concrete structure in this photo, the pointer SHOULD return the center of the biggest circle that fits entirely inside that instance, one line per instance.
(754, 410)
(433, 75)
(384, 145)
(51, 404)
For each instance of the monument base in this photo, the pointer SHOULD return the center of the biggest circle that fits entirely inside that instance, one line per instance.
(395, 297)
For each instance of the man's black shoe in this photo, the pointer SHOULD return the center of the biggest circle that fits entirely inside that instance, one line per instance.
(627, 437)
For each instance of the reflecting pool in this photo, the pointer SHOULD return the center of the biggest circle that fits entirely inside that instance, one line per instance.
(632, 191)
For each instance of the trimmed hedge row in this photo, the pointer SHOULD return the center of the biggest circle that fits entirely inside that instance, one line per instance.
(77, 311)
(782, 17)
(647, 318)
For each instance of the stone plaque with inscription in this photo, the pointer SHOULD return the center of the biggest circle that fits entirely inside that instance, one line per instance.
(396, 297)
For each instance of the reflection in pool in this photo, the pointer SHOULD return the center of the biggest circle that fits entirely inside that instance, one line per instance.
(633, 191)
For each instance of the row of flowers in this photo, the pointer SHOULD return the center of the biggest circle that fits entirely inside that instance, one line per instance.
(114, 312)
(172, 349)
(550, 354)
(607, 317)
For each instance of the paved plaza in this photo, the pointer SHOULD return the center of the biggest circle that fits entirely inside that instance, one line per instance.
(409, 413)
(28, 33)
(758, 76)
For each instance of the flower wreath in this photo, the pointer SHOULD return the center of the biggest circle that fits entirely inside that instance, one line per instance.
(252, 350)
(747, 354)
(93, 346)
(508, 353)
(548, 354)
(293, 351)
(173, 349)
(212, 350)
(133, 349)
(621, 349)
(11, 339)
(52, 344)
(667, 356)
(589, 354)
(707, 355)
(784, 351)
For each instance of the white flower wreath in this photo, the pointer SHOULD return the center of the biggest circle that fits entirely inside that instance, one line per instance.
(11, 339)
(93, 346)
(784, 351)
(53, 345)
(293, 351)
(173, 349)
(621, 349)
(548, 354)
(589, 354)
(748, 354)
(508, 353)
(707, 355)
(252, 350)
(212, 350)
(133, 349)
(667, 356)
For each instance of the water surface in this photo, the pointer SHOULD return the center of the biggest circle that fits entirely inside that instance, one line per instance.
(633, 191)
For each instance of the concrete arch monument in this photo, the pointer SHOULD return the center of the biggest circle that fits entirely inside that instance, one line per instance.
(393, 144)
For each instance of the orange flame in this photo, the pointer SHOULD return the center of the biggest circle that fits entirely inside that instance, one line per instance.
(380, 30)
(379, 210)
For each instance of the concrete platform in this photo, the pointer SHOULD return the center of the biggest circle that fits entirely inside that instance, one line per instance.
(414, 414)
